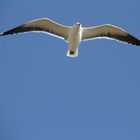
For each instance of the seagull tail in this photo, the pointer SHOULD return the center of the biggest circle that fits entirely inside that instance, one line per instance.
(72, 53)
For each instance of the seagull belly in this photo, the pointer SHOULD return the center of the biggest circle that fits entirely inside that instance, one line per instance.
(74, 40)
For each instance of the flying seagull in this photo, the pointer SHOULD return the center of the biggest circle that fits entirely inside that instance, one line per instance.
(73, 35)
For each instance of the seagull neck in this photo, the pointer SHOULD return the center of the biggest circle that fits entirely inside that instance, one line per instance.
(78, 28)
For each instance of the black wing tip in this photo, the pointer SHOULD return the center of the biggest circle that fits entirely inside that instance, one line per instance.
(131, 40)
(5, 33)
(10, 32)
(138, 43)
(135, 42)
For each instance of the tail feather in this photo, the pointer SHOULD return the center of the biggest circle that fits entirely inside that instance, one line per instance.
(73, 54)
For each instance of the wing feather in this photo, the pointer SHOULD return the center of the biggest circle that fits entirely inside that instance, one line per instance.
(110, 32)
(41, 25)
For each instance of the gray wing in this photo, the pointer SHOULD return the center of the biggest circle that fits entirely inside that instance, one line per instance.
(41, 25)
(110, 32)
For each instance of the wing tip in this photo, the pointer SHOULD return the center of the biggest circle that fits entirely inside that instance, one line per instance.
(1, 34)
(4, 33)
(134, 41)
(7, 33)
(137, 44)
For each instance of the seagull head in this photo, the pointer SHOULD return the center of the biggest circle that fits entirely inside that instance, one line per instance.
(79, 24)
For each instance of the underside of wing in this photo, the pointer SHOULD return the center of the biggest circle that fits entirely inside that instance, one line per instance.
(110, 32)
(41, 25)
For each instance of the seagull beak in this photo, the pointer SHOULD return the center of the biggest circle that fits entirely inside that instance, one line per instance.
(80, 23)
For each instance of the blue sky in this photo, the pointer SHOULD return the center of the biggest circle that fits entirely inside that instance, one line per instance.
(45, 95)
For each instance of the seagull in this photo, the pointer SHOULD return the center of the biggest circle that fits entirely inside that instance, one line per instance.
(73, 35)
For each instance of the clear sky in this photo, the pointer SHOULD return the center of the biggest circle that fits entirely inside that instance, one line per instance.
(45, 95)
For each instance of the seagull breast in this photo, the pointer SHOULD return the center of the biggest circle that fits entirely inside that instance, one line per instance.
(74, 36)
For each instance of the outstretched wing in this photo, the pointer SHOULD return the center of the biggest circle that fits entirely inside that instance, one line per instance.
(41, 25)
(110, 32)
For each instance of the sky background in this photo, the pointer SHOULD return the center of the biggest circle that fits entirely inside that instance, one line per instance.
(45, 95)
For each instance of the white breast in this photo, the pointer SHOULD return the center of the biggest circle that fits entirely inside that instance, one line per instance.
(74, 37)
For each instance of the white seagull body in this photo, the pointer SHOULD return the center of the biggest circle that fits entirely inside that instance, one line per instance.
(73, 35)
